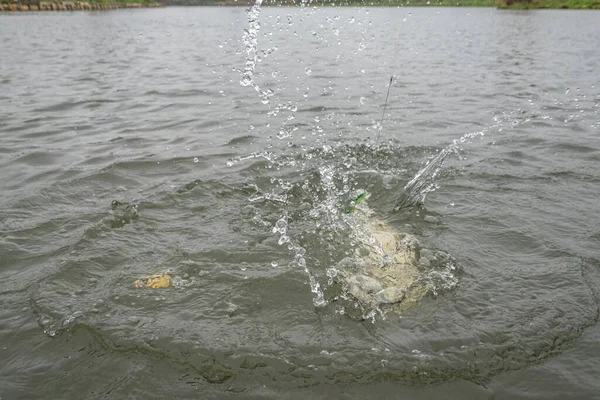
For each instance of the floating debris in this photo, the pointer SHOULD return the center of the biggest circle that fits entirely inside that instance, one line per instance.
(156, 281)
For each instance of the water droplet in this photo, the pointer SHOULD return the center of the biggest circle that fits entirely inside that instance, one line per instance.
(264, 96)
(280, 226)
(300, 260)
(246, 80)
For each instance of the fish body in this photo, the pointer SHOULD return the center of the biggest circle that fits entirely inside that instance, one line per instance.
(386, 269)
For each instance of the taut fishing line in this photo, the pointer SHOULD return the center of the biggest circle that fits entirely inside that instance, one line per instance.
(384, 107)
(387, 96)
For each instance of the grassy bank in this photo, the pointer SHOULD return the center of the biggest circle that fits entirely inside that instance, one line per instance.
(144, 2)
(511, 4)
(43, 5)
(75, 3)
(414, 3)
(553, 4)
(27, 5)
(340, 3)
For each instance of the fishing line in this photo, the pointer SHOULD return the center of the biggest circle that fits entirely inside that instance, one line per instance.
(387, 96)
(384, 107)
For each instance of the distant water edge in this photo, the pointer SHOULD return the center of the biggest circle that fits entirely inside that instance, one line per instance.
(72, 6)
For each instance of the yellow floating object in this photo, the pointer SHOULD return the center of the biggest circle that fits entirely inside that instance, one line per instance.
(156, 281)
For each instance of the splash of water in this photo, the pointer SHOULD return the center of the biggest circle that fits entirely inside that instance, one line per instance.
(250, 40)
(299, 260)
(425, 181)
(317, 191)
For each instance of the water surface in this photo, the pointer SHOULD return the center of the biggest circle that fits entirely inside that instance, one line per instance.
(145, 108)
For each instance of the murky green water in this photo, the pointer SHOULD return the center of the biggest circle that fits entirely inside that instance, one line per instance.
(129, 147)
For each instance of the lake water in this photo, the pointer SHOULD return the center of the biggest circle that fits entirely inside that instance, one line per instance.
(130, 147)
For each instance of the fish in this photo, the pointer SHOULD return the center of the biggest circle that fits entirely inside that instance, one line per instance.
(388, 269)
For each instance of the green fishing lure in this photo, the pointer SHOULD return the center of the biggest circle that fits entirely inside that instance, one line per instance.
(357, 200)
